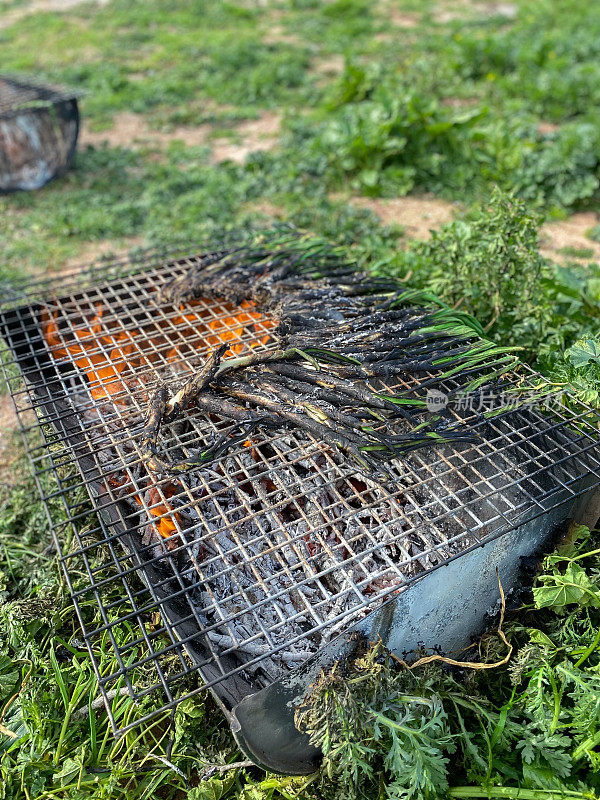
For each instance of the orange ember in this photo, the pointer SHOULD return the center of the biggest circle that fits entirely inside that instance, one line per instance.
(228, 329)
(102, 357)
(165, 526)
(111, 355)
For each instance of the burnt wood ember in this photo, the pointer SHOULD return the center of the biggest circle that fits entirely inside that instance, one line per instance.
(39, 126)
(250, 423)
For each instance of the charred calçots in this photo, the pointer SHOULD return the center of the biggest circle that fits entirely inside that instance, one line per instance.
(339, 331)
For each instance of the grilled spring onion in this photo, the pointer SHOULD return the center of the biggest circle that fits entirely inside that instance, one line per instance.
(340, 332)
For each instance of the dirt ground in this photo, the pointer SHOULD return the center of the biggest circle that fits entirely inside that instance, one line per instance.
(559, 240)
(461, 9)
(8, 18)
(277, 35)
(8, 429)
(267, 209)
(328, 65)
(570, 233)
(251, 136)
(132, 130)
(417, 215)
(96, 250)
(397, 17)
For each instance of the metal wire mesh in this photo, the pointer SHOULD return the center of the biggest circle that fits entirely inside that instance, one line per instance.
(253, 564)
(19, 94)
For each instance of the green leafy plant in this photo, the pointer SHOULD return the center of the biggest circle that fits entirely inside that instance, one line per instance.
(489, 264)
(454, 115)
(533, 727)
(491, 267)
(577, 370)
(388, 135)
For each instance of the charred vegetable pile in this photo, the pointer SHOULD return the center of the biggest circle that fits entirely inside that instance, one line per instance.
(339, 334)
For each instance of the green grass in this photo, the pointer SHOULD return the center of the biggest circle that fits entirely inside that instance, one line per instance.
(525, 731)
(173, 60)
(449, 106)
(115, 193)
(60, 745)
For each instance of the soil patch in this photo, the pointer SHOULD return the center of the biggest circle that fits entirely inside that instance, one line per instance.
(460, 102)
(401, 19)
(256, 134)
(8, 450)
(570, 233)
(547, 127)
(326, 68)
(131, 129)
(9, 18)
(266, 208)
(417, 215)
(461, 9)
(104, 247)
(278, 35)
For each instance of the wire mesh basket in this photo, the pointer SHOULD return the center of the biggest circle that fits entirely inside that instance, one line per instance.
(39, 126)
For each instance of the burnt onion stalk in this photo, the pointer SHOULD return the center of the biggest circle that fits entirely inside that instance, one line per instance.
(340, 334)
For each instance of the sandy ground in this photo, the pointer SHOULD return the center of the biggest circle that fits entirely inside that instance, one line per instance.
(278, 35)
(132, 130)
(451, 10)
(253, 135)
(572, 233)
(8, 18)
(326, 68)
(93, 251)
(417, 215)
(547, 127)
(267, 209)
(8, 427)
(420, 215)
(397, 17)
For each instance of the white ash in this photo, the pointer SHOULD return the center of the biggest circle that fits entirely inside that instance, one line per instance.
(279, 558)
(312, 542)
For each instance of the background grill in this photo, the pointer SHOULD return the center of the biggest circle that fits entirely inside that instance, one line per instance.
(289, 546)
(39, 126)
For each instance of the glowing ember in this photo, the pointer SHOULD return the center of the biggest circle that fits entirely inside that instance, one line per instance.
(110, 355)
(231, 328)
(102, 357)
(165, 526)
(113, 358)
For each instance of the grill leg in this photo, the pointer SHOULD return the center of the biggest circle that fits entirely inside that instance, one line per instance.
(263, 726)
(590, 511)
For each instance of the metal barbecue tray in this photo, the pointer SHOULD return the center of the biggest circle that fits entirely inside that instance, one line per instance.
(39, 127)
(317, 558)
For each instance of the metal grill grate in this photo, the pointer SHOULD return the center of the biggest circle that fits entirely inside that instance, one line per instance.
(24, 94)
(256, 564)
